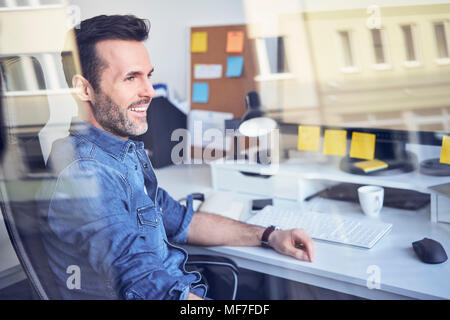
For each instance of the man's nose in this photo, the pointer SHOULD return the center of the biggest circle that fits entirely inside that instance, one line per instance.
(147, 90)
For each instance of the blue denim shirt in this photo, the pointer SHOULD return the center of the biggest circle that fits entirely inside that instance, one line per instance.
(108, 219)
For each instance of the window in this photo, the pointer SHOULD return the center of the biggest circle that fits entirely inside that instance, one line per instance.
(346, 49)
(22, 73)
(276, 54)
(410, 46)
(27, 3)
(379, 49)
(410, 41)
(348, 60)
(272, 58)
(378, 46)
(442, 45)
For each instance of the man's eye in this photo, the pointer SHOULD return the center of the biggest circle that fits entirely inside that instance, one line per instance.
(129, 78)
(149, 76)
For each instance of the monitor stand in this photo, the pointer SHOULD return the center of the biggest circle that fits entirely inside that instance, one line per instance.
(433, 167)
(394, 153)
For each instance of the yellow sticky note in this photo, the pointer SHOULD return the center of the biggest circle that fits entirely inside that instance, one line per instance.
(199, 42)
(362, 146)
(335, 142)
(371, 165)
(445, 151)
(235, 41)
(308, 138)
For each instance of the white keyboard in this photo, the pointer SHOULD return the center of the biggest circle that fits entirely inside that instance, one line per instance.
(321, 226)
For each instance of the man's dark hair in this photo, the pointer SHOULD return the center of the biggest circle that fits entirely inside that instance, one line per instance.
(99, 28)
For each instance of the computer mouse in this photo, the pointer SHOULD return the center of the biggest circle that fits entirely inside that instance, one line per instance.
(429, 251)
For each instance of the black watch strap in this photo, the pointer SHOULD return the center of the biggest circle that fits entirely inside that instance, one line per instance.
(265, 236)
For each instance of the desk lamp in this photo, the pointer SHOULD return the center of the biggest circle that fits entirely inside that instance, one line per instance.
(255, 124)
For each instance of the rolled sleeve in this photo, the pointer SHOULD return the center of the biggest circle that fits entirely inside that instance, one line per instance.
(177, 217)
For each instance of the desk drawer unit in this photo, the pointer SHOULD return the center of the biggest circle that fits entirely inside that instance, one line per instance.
(281, 186)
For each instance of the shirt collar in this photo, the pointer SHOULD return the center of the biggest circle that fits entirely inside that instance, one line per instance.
(106, 141)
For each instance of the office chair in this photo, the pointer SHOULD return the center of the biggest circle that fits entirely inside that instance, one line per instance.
(217, 272)
(163, 118)
(21, 218)
(22, 158)
(220, 274)
(21, 215)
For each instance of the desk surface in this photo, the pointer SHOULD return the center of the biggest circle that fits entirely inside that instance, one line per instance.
(338, 267)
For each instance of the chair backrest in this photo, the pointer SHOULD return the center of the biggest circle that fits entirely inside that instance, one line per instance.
(21, 220)
(21, 163)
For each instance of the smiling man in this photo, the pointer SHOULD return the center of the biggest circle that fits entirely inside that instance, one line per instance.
(122, 112)
(106, 214)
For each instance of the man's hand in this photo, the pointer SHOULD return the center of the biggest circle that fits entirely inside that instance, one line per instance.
(192, 296)
(295, 242)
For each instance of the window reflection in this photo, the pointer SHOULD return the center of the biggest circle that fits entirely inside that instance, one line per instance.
(22, 73)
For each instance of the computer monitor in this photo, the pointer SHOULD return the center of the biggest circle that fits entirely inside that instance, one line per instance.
(380, 68)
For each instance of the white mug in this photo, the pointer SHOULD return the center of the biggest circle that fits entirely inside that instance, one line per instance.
(371, 199)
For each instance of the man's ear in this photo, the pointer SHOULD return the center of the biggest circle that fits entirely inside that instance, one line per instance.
(83, 88)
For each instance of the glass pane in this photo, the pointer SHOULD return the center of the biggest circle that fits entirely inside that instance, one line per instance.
(347, 52)
(409, 43)
(441, 40)
(378, 46)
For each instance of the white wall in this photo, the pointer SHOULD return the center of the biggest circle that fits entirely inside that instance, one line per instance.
(170, 21)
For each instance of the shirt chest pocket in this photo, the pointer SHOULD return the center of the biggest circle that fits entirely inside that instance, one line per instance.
(150, 224)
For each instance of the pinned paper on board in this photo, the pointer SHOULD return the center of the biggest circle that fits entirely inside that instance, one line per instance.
(207, 71)
(335, 142)
(362, 146)
(235, 41)
(235, 66)
(199, 42)
(200, 92)
(308, 138)
(445, 150)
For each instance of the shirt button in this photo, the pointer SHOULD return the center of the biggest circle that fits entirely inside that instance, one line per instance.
(135, 167)
(145, 165)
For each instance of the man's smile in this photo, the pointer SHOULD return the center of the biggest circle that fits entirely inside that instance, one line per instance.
(140, 110)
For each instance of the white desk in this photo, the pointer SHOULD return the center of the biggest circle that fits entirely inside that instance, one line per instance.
(338, 267)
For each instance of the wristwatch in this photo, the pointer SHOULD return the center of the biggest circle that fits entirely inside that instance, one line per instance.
(266, 234)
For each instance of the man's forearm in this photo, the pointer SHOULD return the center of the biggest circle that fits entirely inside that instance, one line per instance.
(214, 230)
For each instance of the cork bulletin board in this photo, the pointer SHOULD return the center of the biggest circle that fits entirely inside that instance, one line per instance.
(226, 94)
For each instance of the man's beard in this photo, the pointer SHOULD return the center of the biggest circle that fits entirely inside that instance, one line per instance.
(115, 120)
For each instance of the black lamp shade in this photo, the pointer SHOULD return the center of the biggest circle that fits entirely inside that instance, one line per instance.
(252, 100)
(252, 113)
